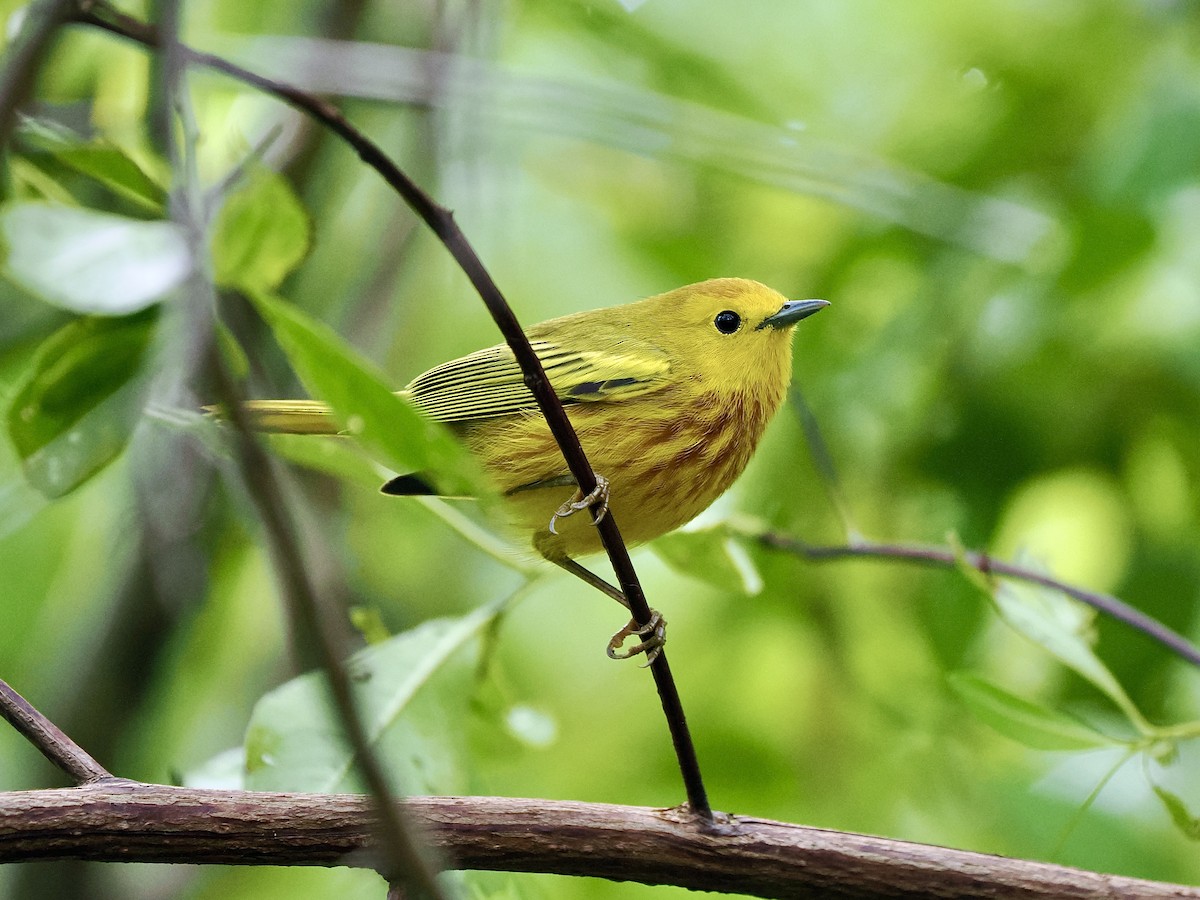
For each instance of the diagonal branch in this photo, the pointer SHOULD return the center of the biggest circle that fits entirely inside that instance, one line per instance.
(402, 860)
(48, 738)
(441, 221)
(134, 822)
(949, 559)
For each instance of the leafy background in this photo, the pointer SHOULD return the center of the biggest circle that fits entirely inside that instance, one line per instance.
(1000, 200)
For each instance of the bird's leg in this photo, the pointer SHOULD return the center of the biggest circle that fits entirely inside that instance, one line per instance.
(654, 631)
(599, 494)
(590, 577)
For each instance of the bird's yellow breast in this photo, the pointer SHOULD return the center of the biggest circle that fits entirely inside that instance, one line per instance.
(666, 461)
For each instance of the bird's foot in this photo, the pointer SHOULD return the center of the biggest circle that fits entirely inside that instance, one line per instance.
(654, 632)
(599, 494)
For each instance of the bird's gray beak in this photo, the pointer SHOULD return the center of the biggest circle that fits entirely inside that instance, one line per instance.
(791, 313)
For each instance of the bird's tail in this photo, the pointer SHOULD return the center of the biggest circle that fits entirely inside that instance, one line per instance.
(290, 416)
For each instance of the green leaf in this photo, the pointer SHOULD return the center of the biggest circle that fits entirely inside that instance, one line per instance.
(80, 400)
(533, 727)
(710, 554)
(32, 181)
(232, 352)
(224, 772)
(1022, 720)
(92, 262)
(1187, 823)
(369, 623)
(413, 692)
(1062, 627)
(1057, 623)
(19, 503)
(331, 455)
(261, 233)
(385, 423)
(96, 159)
(495, 886)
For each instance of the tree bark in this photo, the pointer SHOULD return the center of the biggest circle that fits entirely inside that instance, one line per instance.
(124, 821)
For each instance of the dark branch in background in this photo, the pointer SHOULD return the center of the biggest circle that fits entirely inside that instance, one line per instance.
(402, 862)
(400, 859)
(48, 738)
(948, 559)
(131, 822)
(441, 221)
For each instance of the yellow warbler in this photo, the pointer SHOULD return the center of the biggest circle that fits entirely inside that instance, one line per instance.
(669, 396)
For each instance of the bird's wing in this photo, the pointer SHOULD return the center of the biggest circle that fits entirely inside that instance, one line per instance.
(489, 382)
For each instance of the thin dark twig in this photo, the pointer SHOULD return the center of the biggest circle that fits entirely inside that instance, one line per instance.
(402, 859)
(936, 556)
(441, 221)
(48, 738)
(823, 460)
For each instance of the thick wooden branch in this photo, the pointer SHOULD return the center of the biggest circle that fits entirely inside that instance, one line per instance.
(115, 820)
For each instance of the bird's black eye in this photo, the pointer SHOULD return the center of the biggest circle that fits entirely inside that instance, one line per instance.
(727, 322)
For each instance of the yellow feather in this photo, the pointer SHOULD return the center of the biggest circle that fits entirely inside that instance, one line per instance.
(290, 416)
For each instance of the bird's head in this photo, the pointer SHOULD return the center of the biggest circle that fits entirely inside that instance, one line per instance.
(731, 331)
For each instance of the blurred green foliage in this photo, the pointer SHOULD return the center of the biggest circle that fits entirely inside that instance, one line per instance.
(1000, 200)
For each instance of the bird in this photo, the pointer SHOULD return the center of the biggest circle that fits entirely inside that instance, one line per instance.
(669, 396)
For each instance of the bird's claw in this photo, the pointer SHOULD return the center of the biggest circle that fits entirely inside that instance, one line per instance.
(654, 632)
(599, 494)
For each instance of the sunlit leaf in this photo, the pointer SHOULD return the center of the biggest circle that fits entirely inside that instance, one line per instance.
(80, 400)
(496, 886)
(712, 555)
(1055, 623)
(531, 726)
(19, 502)
(1060, 625)
(413, 692)
(224, 772)
(261, 233)
(1022, 720)
(92, 262)
(385, 423)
